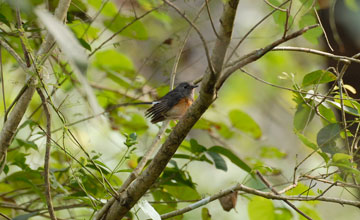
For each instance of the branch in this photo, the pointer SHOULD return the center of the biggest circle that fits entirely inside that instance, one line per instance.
(22, 37)
(134, 174)
(276, 193)
(200, 203)
(2, 84)
(137, 189)
(257, 54)
(317, 52)
(4, 216)
(47, 155)
(11, 51)
(122, 29)
(210, 65)
(8, 131)
(267, 195)
(251, 30)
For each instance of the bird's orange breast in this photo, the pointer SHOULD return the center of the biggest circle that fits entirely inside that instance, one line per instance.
(178, 110)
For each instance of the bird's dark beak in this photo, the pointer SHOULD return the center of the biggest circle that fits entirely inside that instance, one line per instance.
(194, 86)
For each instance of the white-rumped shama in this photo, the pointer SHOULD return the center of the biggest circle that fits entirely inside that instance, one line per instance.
(173, 105)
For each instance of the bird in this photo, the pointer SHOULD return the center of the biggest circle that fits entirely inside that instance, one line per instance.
(173, 105)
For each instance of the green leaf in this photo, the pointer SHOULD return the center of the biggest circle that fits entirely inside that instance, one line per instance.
(79, 29)
(318, 77)
(283, 214)
(84, 44)
(18, 158)
(231, 156)
(338, 157)
(4, 20)
(313, 146)
(306, 3)
(309, 212)
(299, 190)
(135, 30)
(130, 139)
(205, 214)
(271, 152)
(27, 144)
(306, 141)
(182, 192)
(113, 60)
(244, 123)
(25, 216)
(66, 40)
(218, 160)
(303, 116)
(188, 157)
(327, 113)
(196, 148)
(109, 9)
(261, 208)
(326, 138)
(280, 16)
(311, 35)
(347, 109)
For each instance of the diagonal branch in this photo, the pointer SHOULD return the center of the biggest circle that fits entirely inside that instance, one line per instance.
(257, 54)
(155, 143)
(11, 51)
(137, 189)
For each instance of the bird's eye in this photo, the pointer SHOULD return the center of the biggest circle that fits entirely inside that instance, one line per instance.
(186, 86)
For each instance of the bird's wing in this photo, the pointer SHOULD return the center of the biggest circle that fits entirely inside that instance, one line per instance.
(164, 104)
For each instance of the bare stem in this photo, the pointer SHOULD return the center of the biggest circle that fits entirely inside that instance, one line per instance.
(47, 155)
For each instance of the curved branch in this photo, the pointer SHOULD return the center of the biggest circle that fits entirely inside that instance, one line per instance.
(137, 189)
(267, 195)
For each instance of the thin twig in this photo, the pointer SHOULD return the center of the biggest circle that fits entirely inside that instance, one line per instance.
(18, 96)
(2, 82)
(47, 155)
(275, 7)
(333, 27)
(343, 115)
(182, 14)
(267, 195)
(267, 183)
(210, 18)
(317, 52)
(286, 26)
(11, 51)
(103, 4)
(122, 29)
(257, 54)
(3, 215)
(323, 29)
(22, 37)
(250, 31)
